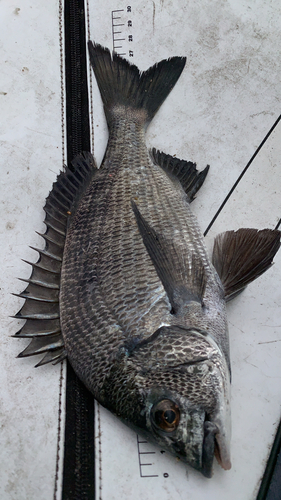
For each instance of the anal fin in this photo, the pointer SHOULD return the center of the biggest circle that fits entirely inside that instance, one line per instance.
(242, 256)
(185, 171)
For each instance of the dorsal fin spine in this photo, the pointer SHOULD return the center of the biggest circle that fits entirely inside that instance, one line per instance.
(41, 307)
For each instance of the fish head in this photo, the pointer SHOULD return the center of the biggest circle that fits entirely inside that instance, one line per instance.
(189, 431)
(186, 400)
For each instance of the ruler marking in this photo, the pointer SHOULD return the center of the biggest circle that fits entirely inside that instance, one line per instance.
(139, 454)
(152, 475)
(139, 442)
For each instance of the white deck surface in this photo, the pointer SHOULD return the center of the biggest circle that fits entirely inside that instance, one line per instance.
(225, 102)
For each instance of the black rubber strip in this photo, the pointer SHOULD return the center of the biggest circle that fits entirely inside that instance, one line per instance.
(270, 488)
(77, 101)
(79, 451)
(79, 448)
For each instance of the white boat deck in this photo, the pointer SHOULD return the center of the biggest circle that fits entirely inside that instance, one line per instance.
(222, 108)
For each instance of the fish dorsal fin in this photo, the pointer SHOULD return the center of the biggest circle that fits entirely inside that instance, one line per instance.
(185, 171)
(41, 306)
(182, 274)
(242, 256)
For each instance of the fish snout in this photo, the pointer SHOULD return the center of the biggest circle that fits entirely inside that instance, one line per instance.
(204, 443)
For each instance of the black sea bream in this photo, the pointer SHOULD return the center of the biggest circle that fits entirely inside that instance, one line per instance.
(124, 287)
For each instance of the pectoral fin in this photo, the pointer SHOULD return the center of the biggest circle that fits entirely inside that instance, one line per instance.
(182, 274)
(242, 256)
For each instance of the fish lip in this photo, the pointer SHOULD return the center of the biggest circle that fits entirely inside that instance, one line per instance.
(221, 422)
(222, 452)
(208, 448)
(213, 446)
(222, 419)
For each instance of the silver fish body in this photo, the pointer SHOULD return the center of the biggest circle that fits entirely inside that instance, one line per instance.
(124, 287)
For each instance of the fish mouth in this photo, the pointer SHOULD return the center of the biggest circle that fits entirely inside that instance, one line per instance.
(213, 447)
(201, 455)
(209, 448)
(197, 444)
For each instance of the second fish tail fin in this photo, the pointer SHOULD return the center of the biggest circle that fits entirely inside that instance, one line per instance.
(123, 84)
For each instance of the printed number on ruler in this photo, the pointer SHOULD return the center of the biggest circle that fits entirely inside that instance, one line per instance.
(122, 31)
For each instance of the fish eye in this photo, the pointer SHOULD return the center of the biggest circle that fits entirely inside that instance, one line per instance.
(166, 415)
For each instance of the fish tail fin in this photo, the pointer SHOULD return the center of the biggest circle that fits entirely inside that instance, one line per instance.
(123, 84)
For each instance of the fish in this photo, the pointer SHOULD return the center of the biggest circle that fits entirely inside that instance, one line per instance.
(125, 288)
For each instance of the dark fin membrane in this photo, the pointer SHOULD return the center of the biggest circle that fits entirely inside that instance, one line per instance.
(185, 171)
(242, 256)
(182, 275)
(121, 83)
(37, 328)
(43, 344)
(41, 307)
(54, 357)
